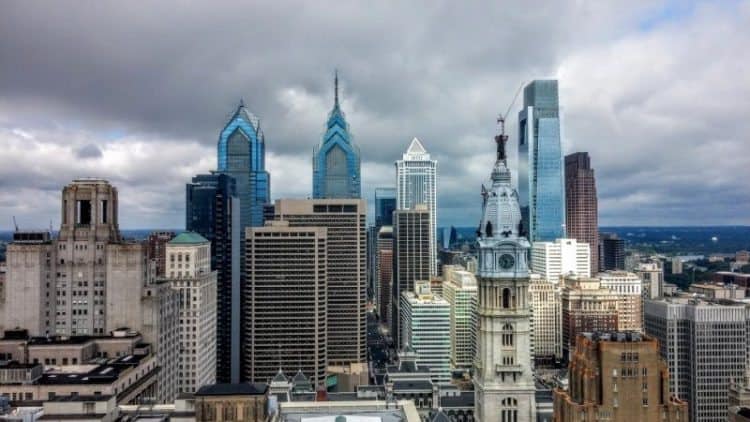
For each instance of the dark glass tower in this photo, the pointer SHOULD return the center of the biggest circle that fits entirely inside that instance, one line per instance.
(213, 211)
(611, 252)
(385, 203)
(540, 168)
(336, 164)
(242, 155)
(581, 209)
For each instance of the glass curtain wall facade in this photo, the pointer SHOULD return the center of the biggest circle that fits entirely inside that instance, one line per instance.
(385, 204)
(336, 162)
(540, 167)
(242, 155)
(213, 211)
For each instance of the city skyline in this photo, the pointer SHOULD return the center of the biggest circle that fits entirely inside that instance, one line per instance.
(147, 125)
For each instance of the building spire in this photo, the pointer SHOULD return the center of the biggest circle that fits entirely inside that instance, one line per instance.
(336, 86)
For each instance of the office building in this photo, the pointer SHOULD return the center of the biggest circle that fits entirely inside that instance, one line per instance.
(559, 258)
(581, 206)
(677, 264)
(587, 306)
(384, 272)
(737, 279)
(242, 155)
(652, 275)
(627, 286)
(546, 309)
(156, 252)
(411, 257)
(189, 272)
(611, 252)
(344, 220)
(718, 291)
(460, 291)
(213, 211)
(617, 376)
(503, 378)
(336, 163)
(285, 295)
(385, 204)
(232, 402)
(540, 183)
(425, 323)
(416, 183)
(705, 345)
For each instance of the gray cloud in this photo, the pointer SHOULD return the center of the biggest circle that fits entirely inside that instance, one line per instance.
(88, 151)
(660, 107)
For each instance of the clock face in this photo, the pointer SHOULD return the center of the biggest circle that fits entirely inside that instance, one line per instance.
(506, 261)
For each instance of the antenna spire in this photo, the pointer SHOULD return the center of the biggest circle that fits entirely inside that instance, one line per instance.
(336, 86)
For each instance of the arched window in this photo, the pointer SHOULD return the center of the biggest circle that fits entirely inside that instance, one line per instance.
(506, 298)
(507, 335)
(488, 229)
(509, 410)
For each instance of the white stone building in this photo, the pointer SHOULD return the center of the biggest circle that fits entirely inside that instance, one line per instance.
(460, 291)
(559, 258)
(188, 269)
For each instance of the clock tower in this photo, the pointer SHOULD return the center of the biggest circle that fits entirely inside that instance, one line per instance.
(503, 379)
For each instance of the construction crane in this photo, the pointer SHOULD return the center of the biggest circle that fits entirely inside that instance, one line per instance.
(502, 138)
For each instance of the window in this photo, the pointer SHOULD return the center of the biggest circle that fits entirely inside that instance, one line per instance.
(507, 336)
(509, 410)
(506, 298)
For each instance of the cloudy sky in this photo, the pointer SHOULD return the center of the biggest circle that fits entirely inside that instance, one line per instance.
(657, 92)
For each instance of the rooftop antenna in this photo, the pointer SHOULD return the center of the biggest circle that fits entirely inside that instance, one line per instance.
(14, 223)
(336, 86)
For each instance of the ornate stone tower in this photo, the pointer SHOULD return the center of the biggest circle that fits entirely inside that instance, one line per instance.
(503, 381)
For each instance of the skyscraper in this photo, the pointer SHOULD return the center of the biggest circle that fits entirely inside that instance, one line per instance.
(189, 272)
(336, 172)
(425, 323)
(611, 252)
(385, 204)
(411, 258)
(503, 378)
(384, 271)
(242, 155)
(285, 292)
(416, 183)
(705, 345)
(460, 291)
(618, 377)
(587, 306)
(540, 168)
(213, 211)
(581, 209)
(344, 220)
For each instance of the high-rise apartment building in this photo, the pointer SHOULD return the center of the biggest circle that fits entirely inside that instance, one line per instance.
(540, 184)
(705, 344)
(416, 183)
(213, 210)
(503, 378)
(611, 252)
(615, 377)
(411, 257)
(384, 271)
(242, 155)
(385, 204)
(652, 275)
(285, 295)
(189, 272)
(581, 206)
(336, 163)
(546, 310)
(560, 258)
(627, 286)
(344, 220)
(425, 323)
(460, 291)
(587, 306)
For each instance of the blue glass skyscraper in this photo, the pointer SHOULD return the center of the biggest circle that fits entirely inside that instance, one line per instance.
(385, 203)
(336, 172)
(540, 170)
(242, 155)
